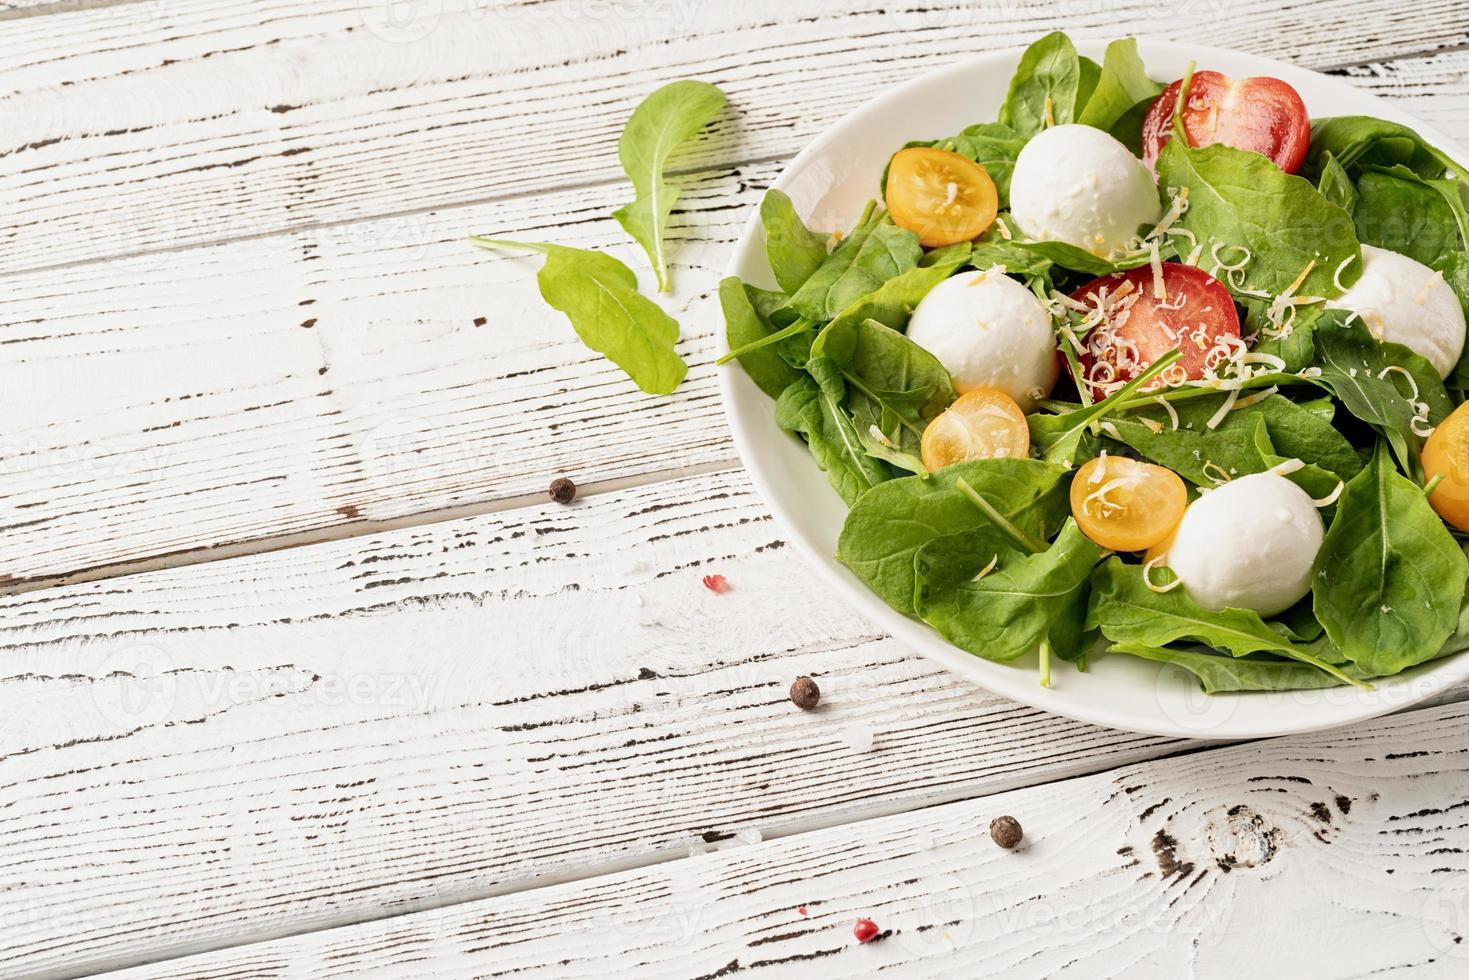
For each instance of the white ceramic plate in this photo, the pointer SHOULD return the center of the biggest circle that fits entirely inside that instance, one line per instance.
(830, 182)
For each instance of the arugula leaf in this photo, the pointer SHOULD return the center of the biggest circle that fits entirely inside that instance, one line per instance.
(599, 295)
(743, 325)
(1358, 141)
(875, 252)
(1241, 198)
(1365, 376)
(795, 252)
(1400, 211)
(886, 528)
(813, 407)
(668, 117)
(1044, 90)
(1025, 602)
(1123, 84)
(1389, 579)
(1127, 611)
(1222, 675)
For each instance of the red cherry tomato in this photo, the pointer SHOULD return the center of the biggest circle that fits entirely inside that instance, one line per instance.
(1137, 326)
(1262, 114)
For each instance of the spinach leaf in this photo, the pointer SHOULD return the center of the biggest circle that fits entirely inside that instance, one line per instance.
(1123, 84)
(1455, 269)
(993, 146)
(1061, 437)
(875, 252)
(668, 117)
(1222, 675)
(1239, 198)
(1358, 141)
(886, 528)
(1366, 376)
(892, 303)
(1044, 90)
(795, 252)
(599, 295)
(743, 324)
(813, 407)
(1027, 601)
(1128, 130)
(1086, 83)
(894, 384)
(1389, 579)
(1335, 184)
(1399, 211)
(1127, 611)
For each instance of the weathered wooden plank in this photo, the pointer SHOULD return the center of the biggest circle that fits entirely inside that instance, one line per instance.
(147, 126)
(1331, 856)
(230, 751)
(297, 383)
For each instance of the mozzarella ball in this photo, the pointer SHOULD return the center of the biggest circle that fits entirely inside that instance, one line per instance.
(1079, 185)
(989, 331)
(1403, 301)
(1249, 544)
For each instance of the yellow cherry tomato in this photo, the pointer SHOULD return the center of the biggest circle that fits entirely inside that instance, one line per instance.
(981, 424)
(940, 196)
(1126, 504)
(1447, 454)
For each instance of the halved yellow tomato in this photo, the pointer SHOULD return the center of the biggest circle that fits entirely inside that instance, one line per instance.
(1126, 504)
(981, 424)
(940, 196)
(1446, 454)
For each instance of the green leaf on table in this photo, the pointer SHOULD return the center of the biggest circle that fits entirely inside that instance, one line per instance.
(1238, 198)
(876, 251)
(1126, 610)
(1389, 580)
(1123, 84)
(887, 527)
(1044, 89)
(744, 325)
(1378, 382)
(1024, 602)
(795, 252)
(599, 295)
(814, 407)
(668, 117)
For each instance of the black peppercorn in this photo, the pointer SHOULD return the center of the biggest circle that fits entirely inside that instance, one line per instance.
(805, 693)
(1006, 832)
(563, 491)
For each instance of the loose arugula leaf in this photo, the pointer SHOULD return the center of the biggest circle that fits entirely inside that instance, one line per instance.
(1389, 580)
(1025, 602)
(743, 325)
(1367, 377)
(1123, 84)
(1224, 675)
(599, 295)
(795, 252)
(1127, 611)
(1360, 141)
(813, 407)
(668, 117)
(887, 527)
(1044, 90)
(1400, 211)
(875, 252)
(1239, 198)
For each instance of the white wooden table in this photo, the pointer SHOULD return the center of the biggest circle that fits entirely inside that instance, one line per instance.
(302, 675)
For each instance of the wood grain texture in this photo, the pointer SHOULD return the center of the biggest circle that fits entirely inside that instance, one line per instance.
(153, 125)
(309, 382)
(1326, 856)
(235, 750)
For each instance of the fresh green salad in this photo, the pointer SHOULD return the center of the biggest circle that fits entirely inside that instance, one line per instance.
(1169, 371)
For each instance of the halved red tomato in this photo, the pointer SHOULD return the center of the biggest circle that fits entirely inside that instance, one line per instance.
(1143, 316)
(1261, 114)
